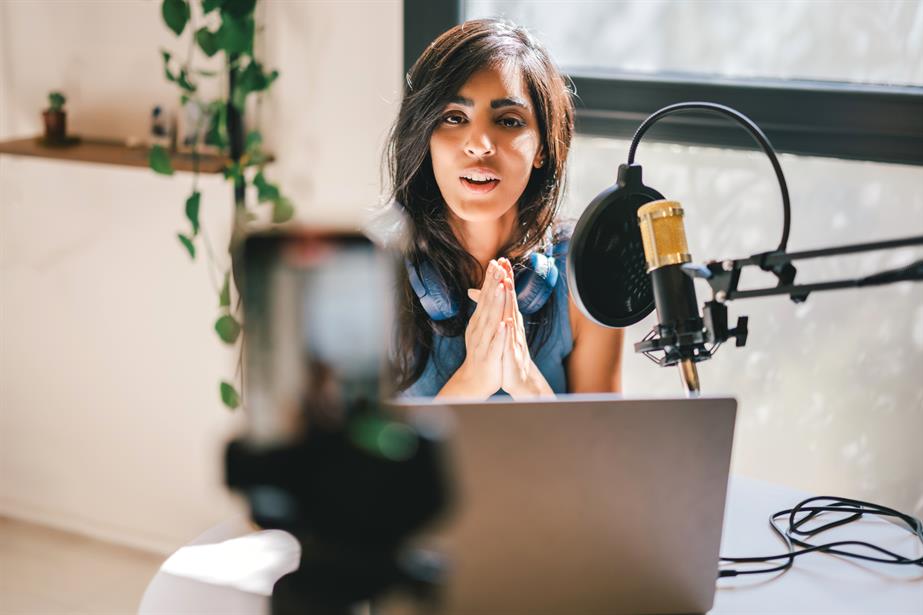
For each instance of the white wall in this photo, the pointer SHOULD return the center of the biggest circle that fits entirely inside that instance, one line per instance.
(110, 421)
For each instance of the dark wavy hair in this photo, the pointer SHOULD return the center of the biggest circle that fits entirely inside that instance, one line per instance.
(434, 79)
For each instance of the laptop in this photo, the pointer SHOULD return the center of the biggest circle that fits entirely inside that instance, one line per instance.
(583, 504)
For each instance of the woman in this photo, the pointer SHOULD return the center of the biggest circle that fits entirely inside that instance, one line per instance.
(477, 159)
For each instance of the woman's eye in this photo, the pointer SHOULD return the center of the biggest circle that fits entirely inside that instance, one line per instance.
(453, 118)
(511, 122)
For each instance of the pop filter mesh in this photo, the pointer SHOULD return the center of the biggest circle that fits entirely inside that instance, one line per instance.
(607, 273)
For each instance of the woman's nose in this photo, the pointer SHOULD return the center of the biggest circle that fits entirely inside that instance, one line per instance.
(479, 143)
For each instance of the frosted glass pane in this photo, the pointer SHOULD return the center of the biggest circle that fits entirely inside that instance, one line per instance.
(830, 391)
(864, 41)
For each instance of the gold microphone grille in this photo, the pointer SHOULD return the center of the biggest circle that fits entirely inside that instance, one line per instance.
(663, 234)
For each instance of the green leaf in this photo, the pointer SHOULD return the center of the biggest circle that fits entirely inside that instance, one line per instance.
(192, 211)
(252, 79)
(239, 98)
(238, 8)
(183, 81)
(224, 299)
(159, 160)
(229, 395)
(56, 101)
(235, 35)
(253, 141)
(210, 5)
(175, 15)
(187, 242)
(253, 149)
(233, 171)
(207, 41)
(282, 210)
(228, 329)
(265, 191)
(217, 124)
(166, 66)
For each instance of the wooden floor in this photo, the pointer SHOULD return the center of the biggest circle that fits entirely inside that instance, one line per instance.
(47, 571)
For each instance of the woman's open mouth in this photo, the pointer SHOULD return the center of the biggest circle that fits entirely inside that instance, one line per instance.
(479, 184)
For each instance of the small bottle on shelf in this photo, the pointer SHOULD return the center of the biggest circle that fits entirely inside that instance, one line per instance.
(160, 128)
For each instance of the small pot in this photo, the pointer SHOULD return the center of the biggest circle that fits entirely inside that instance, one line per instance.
(55, 126)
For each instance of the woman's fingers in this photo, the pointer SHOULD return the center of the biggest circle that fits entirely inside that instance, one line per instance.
(489, 310)
(508, 305)
(507, 266)
(516, 340)
(474, 294)
(484, 296)
(494, 312)
(511, 296)
(498, 342)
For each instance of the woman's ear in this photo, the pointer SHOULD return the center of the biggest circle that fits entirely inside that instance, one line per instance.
(539, 161)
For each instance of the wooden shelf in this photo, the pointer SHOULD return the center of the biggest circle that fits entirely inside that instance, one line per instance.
(107, 152)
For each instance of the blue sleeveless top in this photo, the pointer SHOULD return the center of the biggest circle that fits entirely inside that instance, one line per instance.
(449, 352)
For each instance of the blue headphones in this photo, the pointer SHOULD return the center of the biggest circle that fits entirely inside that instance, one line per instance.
(534, 284)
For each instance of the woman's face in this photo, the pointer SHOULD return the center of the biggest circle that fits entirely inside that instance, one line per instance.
(486, 145)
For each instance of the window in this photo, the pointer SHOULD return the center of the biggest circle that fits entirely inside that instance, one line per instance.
(840, 79)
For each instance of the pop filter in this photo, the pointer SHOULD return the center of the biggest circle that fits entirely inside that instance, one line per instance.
(606, 271)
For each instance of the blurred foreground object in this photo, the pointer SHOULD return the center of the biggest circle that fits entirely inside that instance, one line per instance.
(320, 458)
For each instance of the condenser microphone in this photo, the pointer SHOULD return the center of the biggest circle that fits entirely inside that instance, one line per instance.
(680, 331)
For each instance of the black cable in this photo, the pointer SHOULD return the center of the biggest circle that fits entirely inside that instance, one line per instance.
(751, 127)
(857, 509)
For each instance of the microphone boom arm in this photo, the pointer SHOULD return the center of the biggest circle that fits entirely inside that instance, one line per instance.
(723, 277)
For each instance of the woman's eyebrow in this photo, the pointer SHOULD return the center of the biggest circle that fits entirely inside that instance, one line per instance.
(494, 104)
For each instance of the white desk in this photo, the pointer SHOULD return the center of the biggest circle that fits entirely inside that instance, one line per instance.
(230, 569)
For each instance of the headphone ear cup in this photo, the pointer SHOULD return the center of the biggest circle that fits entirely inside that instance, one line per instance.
(535, 282)
(431, 290)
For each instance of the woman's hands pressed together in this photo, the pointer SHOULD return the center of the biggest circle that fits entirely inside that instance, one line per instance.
(519, 376)
(481, 374)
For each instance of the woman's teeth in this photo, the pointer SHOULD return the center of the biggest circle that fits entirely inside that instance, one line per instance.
(481, 185)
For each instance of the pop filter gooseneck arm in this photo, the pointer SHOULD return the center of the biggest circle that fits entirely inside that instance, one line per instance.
(744, 121)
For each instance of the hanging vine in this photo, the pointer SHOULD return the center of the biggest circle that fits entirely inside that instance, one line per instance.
(228, 28)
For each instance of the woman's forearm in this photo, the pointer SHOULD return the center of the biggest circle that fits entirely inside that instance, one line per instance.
(460, 385)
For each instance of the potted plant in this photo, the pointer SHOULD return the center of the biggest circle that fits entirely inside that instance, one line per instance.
(55, 119)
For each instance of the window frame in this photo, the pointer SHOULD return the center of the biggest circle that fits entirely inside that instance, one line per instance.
(834, 119)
